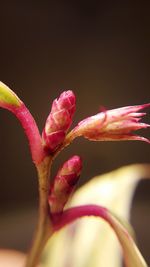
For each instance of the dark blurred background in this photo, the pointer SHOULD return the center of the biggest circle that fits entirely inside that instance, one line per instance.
(99, 49)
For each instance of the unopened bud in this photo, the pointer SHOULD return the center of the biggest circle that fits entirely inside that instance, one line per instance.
(64, 183)
(112, 125)
(59, 120)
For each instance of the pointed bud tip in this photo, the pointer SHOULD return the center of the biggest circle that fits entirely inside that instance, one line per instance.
(73, 165)
(68, 94)
(140, 138)
(147, 105)
(67, 100)
(76, 163)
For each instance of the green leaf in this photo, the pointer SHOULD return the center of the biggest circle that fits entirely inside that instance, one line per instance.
(89, 242)
(8, 97)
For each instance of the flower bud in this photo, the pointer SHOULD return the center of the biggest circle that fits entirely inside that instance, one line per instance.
(112, 125)
(64, 183)
(59, 120)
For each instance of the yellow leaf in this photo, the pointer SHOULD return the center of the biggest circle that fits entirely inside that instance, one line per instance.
(8, 97)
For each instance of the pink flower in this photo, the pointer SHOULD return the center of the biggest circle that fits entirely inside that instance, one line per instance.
(64, 183)
(116, 124)
(59, 120)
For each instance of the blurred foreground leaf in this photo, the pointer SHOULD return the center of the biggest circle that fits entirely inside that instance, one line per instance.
(90, 242)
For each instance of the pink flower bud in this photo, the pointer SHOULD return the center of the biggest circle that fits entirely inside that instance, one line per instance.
(115, 124)
(59, 120)
(64, 183)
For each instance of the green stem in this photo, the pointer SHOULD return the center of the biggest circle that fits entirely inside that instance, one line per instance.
(44, 227)
(44, 224)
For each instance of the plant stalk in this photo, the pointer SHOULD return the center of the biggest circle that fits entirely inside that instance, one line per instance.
(44, 228)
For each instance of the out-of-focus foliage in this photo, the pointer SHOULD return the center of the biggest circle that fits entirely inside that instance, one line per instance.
(90, 241)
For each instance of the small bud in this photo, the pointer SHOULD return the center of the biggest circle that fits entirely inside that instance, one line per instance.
(112, 125)
(64, 183)
(59, 120)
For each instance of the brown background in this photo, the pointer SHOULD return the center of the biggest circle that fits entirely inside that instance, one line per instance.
(99, 49)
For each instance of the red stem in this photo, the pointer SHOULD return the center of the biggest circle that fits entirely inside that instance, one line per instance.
(31, 130)
(68, 216)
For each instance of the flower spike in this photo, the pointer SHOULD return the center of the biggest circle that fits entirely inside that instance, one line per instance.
(59, 120)
(64, 183)
(112, 125)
